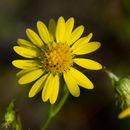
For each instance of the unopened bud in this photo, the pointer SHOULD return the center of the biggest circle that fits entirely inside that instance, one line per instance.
(122, 93)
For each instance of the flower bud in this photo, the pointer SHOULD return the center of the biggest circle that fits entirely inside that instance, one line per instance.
(122, 88)
(122, 93)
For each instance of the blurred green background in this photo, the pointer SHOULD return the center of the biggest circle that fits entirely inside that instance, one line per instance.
(109, 21)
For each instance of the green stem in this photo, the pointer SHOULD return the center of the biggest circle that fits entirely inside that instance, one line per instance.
(52, 113)
(59, 106)
(112, 76)
(46, 123)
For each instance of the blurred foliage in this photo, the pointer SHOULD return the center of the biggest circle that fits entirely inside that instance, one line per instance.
(9, 116)
(126, 4)
(11, 119)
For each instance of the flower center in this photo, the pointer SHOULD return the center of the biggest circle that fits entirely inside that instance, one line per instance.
(57, 58)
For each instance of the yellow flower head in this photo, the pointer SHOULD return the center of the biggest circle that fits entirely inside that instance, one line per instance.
(53, 54)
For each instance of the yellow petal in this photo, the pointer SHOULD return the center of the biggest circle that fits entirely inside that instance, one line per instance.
(25, 64)
(69, 26)
(52, 29)
(86, 48)
(81, 79)
(34, 38)
(71, 84)
(25, 43)
(48, 86)
(43, 32)
(55, 90)
(38, 85)
(88, 64)
(23, 72)
(60, 29)
(26, 52)
(76, 34)
(124, 113)
(82, 41)
(30, 76)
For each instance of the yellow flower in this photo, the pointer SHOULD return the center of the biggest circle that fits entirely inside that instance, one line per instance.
(54, 54)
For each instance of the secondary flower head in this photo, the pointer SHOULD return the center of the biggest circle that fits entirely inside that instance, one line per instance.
(52, 54)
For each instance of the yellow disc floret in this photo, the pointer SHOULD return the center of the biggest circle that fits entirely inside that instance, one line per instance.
(57, 57)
